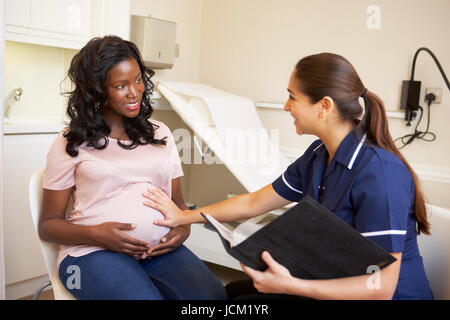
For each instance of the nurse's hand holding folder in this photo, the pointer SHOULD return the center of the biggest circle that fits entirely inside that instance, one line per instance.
(276, 279)
(359, 203)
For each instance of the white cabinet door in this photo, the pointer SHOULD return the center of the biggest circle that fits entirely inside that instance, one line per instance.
(58, 23)
(17, 15)
(116, 18)
(22, 156)
(71, 17)
(65, 23)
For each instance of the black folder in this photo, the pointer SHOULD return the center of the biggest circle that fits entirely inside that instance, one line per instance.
(312, 243)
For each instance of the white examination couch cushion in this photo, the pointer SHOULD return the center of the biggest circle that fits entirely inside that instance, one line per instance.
(212, 114)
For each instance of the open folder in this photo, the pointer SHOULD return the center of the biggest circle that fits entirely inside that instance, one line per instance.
(308, 239)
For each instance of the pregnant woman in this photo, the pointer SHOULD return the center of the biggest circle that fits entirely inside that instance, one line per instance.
(108, 155)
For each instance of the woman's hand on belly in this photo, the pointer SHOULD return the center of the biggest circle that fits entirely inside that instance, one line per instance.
(170, 241)
(111, 236)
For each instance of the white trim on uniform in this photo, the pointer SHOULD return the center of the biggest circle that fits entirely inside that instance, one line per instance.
(315, 149)
(355, 154)
(289, 186)
(383, 233)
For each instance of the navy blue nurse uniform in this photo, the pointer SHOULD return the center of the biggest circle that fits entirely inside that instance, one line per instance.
(371, 190)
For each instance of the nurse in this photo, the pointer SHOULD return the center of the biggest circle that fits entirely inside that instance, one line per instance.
(354, 169)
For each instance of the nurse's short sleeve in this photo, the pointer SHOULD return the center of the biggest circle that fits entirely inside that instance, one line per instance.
(383, 197)
(289, 185)
(60, 167)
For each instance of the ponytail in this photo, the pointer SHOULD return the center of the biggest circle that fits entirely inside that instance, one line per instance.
(375, 125)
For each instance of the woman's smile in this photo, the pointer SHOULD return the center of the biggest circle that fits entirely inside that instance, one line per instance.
(133, 105)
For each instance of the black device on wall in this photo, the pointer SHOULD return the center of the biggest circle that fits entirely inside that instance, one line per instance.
(411, 89)
(410, 99)
(409, 102)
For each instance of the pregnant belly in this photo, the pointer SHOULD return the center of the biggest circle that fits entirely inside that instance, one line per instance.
(126, 206)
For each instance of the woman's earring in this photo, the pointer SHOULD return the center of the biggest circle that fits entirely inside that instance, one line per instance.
(97, 106)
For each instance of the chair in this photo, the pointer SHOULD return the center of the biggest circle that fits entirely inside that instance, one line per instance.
(436, 253)
(49, 250)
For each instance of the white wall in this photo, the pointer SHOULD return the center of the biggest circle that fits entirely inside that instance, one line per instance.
(249, 47)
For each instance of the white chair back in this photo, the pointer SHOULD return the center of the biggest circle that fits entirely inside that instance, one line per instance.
(49, 250)
(435, 250)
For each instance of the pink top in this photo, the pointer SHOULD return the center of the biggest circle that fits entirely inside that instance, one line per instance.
(109, 184)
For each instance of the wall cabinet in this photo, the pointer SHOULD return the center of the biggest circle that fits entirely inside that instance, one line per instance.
(65, 23)
(48, 17)
(23, 154)
(17, 16)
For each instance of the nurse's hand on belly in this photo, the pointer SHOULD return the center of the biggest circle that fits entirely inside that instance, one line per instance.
(111, 236)
(159, 200)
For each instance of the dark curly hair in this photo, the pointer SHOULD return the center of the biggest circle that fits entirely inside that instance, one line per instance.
(88, 72)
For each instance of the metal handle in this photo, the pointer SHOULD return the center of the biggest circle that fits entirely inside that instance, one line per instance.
(17, 93)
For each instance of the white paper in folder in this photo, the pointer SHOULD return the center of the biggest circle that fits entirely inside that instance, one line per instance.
(254, 155)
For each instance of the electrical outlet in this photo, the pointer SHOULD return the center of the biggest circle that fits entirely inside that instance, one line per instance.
(437, 92)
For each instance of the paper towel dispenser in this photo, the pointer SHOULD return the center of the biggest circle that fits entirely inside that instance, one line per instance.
(155, 39)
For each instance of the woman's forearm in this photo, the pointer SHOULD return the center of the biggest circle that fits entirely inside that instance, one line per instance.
(59, 231)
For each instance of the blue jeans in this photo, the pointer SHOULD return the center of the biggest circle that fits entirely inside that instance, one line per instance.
(109, 275)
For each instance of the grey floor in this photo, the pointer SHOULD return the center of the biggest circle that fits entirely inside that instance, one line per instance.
(225, 275)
